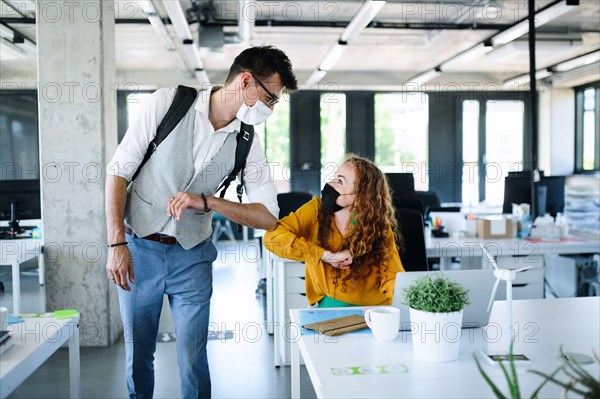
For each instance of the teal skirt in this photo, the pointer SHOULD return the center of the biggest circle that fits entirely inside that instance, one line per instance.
(328, 302)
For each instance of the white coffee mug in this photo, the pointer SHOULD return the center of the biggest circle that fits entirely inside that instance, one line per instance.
(3, 319)
(384, 321)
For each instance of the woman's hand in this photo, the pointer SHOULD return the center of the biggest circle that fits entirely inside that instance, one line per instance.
(339, 260)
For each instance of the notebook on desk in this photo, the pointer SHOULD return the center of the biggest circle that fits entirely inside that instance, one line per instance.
(479, 283)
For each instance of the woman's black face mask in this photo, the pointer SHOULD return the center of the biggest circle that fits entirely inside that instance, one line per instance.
(329, 196)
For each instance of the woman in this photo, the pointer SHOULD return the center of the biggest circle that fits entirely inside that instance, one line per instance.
(345, 238)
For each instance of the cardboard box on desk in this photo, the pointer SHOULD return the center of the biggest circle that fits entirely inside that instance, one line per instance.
(494, 227)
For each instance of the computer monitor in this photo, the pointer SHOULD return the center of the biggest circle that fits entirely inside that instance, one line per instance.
(555, 193)
(517, 190)
(550, 192)
(19, 200)
(402, 185)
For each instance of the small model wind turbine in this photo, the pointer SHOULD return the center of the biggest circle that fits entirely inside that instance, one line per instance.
(508, 276)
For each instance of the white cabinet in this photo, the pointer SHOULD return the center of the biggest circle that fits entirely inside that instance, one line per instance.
(289, 293)
(528, 284)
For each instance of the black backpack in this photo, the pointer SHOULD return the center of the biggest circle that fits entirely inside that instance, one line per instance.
(184, 98)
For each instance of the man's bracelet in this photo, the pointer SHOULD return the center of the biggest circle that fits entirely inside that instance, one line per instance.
(116, 244)
(205, 202)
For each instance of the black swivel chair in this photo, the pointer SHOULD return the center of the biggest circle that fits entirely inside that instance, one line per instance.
(411, 203)
(413, 254)
(290, 202)
(429, 199)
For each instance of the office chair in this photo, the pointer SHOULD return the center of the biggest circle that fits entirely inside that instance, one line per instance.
(410, 203)
(402, 185)
(429, 199)
(413, 254)
(290, 202)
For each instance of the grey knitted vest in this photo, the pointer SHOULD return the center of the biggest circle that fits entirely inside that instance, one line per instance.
(170, 170)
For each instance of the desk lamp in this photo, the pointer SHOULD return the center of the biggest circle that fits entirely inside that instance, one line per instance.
(508, 276)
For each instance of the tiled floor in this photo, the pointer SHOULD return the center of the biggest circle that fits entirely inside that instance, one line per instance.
(241, 367)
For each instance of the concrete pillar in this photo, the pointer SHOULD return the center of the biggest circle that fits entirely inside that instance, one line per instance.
(78, 133)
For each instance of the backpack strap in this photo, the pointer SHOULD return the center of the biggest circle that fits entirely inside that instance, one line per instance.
(244, 142)
(184, 98)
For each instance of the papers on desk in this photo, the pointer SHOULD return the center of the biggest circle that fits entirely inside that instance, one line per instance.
(308, 316)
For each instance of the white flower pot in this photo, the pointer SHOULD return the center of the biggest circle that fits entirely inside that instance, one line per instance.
(436, 336)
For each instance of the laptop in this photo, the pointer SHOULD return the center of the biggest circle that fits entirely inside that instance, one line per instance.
(479, 283)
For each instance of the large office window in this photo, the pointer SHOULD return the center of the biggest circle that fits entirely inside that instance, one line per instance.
(587, 128)
(333, 133)
(470, 151)
(275, 139)
(401, 132)
(503, 145)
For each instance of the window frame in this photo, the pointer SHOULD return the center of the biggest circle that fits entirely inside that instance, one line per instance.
(579, 111)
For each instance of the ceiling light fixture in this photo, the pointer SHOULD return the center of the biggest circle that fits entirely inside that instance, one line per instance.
(25, 7)
(178, 19)
(361, 19)
(578, 62)
(29, 46)
(541, 17)
(10, 50)
(161, 31)
(193, 54)
(7, 33)
(524, 79)
(182, 28)
(315, 77)
(246, 20)
(425, 76)
(466, 56)
(157, 24)
(333, 56)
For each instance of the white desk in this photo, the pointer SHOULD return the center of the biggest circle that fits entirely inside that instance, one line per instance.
(469, 247)
(539, 335)
(15, 252)
(35, 341)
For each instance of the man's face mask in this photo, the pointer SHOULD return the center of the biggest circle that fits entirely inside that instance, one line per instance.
(329, 196)
(254, 115)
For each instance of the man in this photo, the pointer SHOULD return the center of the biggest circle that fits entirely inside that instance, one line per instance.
(159, 227)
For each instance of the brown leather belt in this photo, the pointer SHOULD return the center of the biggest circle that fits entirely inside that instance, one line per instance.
(155, 237)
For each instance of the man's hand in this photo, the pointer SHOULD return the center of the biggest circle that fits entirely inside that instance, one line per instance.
(119, 266)
(182, 201)
(340, 260)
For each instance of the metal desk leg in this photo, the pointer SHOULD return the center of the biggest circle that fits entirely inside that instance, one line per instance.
(16, 281)
(295, 363)
(74, 366)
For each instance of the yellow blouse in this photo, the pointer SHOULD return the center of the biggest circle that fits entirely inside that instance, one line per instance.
(295, 237)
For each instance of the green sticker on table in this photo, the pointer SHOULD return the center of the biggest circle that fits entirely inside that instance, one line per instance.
(362, 370)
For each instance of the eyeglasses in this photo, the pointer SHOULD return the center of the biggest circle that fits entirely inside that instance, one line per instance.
(274, 100)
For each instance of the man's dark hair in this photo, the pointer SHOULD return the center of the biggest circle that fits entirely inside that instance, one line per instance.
(263, 61)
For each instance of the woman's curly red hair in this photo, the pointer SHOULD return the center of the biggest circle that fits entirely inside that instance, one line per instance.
(374, 215)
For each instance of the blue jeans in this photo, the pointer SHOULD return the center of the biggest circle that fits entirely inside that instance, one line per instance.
(186, 277)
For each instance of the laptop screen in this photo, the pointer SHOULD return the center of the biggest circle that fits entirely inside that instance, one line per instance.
(479, 283)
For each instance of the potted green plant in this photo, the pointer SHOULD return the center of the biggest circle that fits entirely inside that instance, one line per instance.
(436, 304)
(580, 381)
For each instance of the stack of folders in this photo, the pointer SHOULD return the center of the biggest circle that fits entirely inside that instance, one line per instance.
(5, 342)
